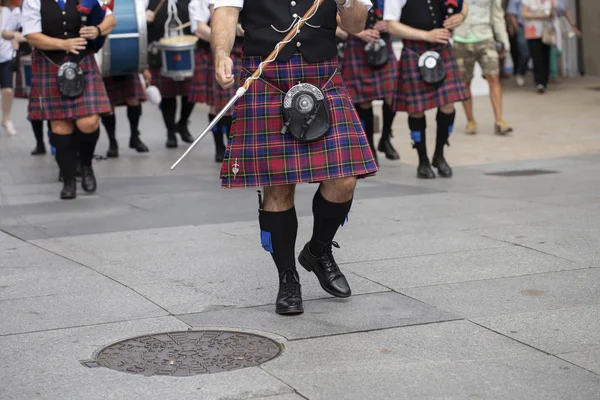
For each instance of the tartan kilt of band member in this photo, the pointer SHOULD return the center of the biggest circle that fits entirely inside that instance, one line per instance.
(20, 91)
(46, 102)
(201, 89)
(170, 88)
(222, 96)
(364, 82)
(414, 95)
(259, 155)
(122, 88)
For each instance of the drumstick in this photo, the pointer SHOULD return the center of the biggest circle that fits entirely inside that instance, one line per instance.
(183, 26)
(158, 7)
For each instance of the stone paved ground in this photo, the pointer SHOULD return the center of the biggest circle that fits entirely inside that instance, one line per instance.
(479, 287)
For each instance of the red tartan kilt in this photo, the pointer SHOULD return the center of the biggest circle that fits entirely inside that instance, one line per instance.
(259, 155)
(414, 95)
(169, 88)
(122, 88)
(46, 102)
(222, 96)
(366, 83)
(201, 89)
(20, 91)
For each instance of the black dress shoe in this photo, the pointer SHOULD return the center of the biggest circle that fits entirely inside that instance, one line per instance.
(220, 155)
(442, 166)
(385, 146)
(69, 190)
(289, 298)
(171, 141)
(424, 171)
(113, 150)
(88, 180)
(39, 149)
(326, 269)
(186, 136)
(137, 144)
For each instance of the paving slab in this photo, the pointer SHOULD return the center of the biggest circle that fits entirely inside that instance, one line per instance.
(327, 316)
(452, 360)
(589, 359)
(567, 330)
(529, 293)
(462, 266)
(48, 367)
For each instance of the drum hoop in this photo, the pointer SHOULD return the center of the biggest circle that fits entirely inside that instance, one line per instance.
(140, 11)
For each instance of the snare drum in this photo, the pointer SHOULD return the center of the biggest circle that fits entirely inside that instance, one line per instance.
(126, 48)
(178, 56)
(25, 66)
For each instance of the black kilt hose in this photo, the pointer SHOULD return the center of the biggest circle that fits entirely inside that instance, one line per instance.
(122, 88)
(413, 94)
(46, 102)
(364, 82)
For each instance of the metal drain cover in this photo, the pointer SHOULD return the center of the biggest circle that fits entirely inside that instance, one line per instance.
(523, 172)
(188, 353)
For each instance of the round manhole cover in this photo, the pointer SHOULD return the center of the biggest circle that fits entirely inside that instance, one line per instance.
(188, 353)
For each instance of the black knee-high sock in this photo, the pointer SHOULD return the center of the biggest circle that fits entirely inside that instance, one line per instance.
(133, 115)
(216, 130)
(328, 217)
(65, 154)
(278, 231)
(226, 122)
(110, 124)
(186, 110)
(388, 120)
(368, 122)
(445, 124)
(417, 128)
(38, 132)
(168, 108)
(87, 146)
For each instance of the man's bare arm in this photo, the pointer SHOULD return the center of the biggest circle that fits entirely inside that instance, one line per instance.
(223, 30)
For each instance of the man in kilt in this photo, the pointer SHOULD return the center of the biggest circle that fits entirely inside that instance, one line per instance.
(424, 26)
(366, 82)
(169, 88)
(258, 154)
(54, 29)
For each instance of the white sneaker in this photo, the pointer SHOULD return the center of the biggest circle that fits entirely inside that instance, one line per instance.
(9, 128)
(520, 80)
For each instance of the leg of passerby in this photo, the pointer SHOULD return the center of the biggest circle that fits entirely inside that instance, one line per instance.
(465, 58)
(524, 56)
(541, 63)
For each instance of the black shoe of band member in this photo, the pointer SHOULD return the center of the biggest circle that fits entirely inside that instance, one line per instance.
(186, 136)
(171, 140)
(113, 150)
(88, 180)
(289, 297)
(136, 143)
(38, 150)
(69, 190)
(385, 146)
(445, 122)
(330, 277)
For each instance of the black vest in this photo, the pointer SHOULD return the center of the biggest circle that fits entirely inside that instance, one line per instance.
(315, 44)
(423, 14)
(156, 30)
(61, 24)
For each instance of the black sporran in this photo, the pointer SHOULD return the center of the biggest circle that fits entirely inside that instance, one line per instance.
(377, 53)
(431, 67)
(305, 113)
(71, 80)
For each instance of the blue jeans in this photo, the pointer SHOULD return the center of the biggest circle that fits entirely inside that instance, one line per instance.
(524, 55)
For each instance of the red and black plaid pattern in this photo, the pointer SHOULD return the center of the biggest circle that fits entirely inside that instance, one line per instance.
(201, 89)
(46, 102)
(122, 88)
(414, 95)
(259, 155)
(222, 96)
(20, 91)
(169, 88)
(364, 82)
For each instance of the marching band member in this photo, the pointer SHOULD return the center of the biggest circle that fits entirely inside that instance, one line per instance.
(67, 87)
(436, 84)
(169, 89)
(265, 151)
(368, 77)
(6, 71)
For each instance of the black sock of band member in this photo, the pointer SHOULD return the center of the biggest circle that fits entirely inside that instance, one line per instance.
(367, 119)
(65, 155)
(87, 146)
(110, 124)
(133, 115)
(226, 123)
(168, 108)
(187, 107)
(328, 217)
(417, 127)
(218, 137)
(385, 145)
(38, 132)
(445, 124)
(278, 231)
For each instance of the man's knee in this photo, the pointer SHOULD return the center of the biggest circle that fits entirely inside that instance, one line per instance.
(279, 198)
(133, 102)
(88, 124)
(62, 127)
(493, 79)
(447, 108)
(338, 190)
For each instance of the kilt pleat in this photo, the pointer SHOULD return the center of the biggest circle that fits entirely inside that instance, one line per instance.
(122, 88)
(170, 88)
(201, 89)
(364, 82)
(415, 95)
(259, 155)
(222, 96)
(46, 102)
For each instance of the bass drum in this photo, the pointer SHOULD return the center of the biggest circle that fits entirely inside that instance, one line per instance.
(126, 48)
